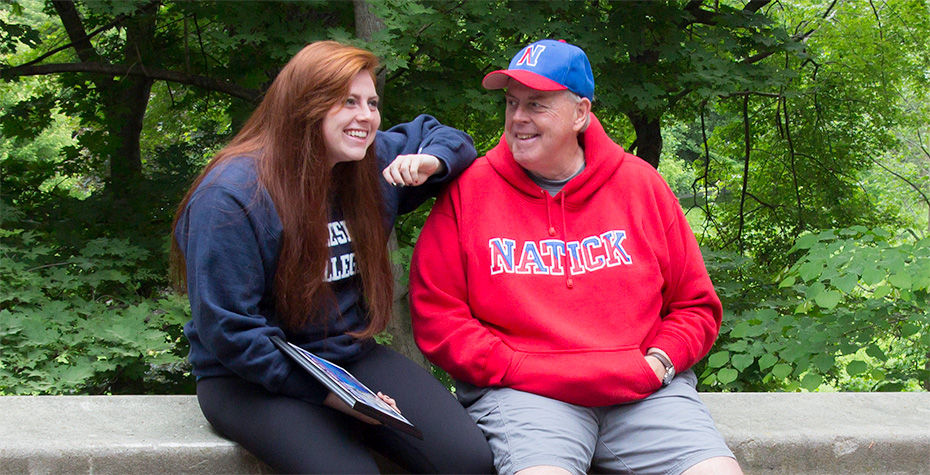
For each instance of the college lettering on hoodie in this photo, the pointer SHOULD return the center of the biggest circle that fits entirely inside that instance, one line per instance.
(342, 263)
(546, 257)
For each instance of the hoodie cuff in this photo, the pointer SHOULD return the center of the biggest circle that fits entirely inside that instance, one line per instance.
(300, 385)
(676, 350)
(445, 172)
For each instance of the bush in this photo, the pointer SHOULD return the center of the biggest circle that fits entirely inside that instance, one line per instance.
(74, 322)
(853, 297)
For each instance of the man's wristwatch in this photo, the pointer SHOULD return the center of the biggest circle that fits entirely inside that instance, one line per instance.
(669, 367)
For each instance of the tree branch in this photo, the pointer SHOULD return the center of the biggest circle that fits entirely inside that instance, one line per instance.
(794, 171)
(86, 37)
(904, 179)
(74, 26)
(209, 83)
(707, 17)
(745, 190)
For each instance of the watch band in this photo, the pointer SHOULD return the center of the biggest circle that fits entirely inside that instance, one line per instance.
(667, 363)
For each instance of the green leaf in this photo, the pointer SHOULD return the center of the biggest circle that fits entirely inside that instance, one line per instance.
(908, 329)
(787, 282)
(811, 381)
(718, 359)
(806, 241)
(881, 291)
(828, 299)
(856, 367)
(781, 371)
(901, 280)
(846, 282)
(742, 361)
(875, 352)
(873, 275)
(740, 330)
(810, 270)
(767, 360)
(727, 375)
(824, 362)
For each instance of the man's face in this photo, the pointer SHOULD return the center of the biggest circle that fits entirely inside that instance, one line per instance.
(542, 129)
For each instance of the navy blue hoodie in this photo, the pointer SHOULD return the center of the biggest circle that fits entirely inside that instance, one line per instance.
(230, 235)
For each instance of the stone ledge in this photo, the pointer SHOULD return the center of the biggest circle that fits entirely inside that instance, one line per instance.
(771, 433)
(826, 433)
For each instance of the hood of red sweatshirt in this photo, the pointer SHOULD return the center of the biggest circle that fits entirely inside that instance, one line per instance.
(602, 158)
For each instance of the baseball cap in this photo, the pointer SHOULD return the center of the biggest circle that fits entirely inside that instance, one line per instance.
(547, 65)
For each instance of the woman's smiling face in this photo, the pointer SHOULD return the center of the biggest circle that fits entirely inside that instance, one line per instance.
(349, 127)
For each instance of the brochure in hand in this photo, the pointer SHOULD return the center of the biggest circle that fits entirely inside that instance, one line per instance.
(347, 387)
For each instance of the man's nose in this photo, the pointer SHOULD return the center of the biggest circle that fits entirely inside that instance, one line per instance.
(519, 113)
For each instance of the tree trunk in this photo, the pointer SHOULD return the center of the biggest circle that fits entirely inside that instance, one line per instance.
(124, 101)
(648, 143)
(366, 24)
(126, 122)
(399, 327)
(132, 94)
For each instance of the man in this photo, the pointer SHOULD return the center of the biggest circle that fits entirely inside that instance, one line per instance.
(559, 283)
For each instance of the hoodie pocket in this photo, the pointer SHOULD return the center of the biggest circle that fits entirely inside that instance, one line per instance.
(590, 377)
(515, 363)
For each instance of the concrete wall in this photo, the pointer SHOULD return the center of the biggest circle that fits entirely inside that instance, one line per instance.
(778, 433)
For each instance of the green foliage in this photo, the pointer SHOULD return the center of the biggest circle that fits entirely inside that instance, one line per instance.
(76, 324)
(14, 35)
(837, 138)
(815, 155)
(851, 312)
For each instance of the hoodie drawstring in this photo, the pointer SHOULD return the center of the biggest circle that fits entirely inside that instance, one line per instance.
(569, 282)
(548, 213)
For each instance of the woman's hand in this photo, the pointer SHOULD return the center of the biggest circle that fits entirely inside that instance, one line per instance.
(390, 401)
(334, 402)
(411, 170)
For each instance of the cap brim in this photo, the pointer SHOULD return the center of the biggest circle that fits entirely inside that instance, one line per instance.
(499, 80)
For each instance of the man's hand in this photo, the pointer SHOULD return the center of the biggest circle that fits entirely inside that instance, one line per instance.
(656, 366)
(411, 170)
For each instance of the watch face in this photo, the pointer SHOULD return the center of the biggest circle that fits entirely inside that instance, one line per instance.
(669, 376)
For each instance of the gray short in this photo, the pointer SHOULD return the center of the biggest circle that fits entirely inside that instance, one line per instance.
(666, 433)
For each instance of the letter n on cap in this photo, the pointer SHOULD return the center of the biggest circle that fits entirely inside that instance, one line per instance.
(531, 55)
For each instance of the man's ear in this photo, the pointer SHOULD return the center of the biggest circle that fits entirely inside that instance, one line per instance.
(582, 114)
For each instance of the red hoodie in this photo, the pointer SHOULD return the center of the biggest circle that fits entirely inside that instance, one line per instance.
(561, 296)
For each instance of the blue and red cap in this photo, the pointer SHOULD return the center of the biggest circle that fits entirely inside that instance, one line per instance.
(547, 65)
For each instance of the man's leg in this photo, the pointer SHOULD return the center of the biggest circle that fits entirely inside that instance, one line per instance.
(715, 466)
(532, 434)
(669, 432)
(544, 470)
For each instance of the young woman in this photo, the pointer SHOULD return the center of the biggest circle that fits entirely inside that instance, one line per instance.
(284, 233)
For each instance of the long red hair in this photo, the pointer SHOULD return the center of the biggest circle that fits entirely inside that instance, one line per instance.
(286, 137)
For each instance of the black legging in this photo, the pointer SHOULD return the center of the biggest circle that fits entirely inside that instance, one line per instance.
(294, 436)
